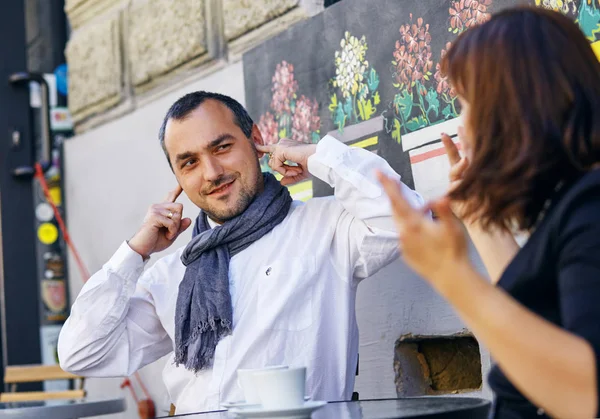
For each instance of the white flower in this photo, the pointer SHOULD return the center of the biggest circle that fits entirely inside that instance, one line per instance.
(351, 66)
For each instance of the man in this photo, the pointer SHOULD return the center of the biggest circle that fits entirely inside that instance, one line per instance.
(264, 281)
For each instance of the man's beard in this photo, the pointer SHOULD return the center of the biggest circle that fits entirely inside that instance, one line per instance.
(245, 198)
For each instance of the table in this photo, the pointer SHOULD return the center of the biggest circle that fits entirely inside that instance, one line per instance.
(61, 409)
(409, 407)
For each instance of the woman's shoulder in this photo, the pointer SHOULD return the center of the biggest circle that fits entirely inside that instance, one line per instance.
(580, 204)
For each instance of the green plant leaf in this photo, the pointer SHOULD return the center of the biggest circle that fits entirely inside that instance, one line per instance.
(403, 102)
(376, 99)
(416, 123)
(433, 102)
(348, 107)
(373, 80)
(447, 112)
(339, 118)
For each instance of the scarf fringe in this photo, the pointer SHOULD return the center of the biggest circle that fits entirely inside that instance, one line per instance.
(213, 329)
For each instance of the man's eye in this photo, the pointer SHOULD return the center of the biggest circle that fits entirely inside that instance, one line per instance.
(189, 162)
(223, 147)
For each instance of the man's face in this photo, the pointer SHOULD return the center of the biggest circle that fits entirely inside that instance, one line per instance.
(214, 162)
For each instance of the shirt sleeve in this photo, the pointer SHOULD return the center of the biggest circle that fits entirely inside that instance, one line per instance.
(365, 227)
(113, 329)
(579, 273)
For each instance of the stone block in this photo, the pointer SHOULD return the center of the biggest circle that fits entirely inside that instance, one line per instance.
(163, 35)
(95, 67)
(432, 365)
(242, 16)
(81, 12)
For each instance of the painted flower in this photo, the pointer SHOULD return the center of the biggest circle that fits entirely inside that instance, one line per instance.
(412, 54)
(284, 88)
(467, 13)
(305, 120)
(268, 128)
(351, 65)
(443, 84)
(558, 5)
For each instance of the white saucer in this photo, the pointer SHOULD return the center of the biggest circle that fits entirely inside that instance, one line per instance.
(300, 412)
(245, 405)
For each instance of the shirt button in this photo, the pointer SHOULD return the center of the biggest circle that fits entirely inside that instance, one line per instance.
(540, 412)
(268, 271)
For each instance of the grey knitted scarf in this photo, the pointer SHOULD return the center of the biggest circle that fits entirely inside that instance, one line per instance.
(204, 313)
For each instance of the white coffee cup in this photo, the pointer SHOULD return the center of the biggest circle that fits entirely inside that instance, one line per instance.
(281, 389)
(247, 384)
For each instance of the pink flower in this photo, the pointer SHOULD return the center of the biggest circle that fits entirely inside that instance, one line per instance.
(443, 84)
(413, 52)
(467, 13)
(268, 128)
(284, 88)
(305, 120)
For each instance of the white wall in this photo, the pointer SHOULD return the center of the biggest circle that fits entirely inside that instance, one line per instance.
(114, 172)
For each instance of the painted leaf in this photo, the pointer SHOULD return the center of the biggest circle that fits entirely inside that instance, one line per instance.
(364, 91)
(447, 112)
(361, 109)
(366, 109)
(348, 107)
(403, 102)
(433, 102)
(282, 133)
(315, 137)
(340, 117)
(589, 20)
(334, 103)
(376, 99)
(373, 80)
(396, 135)
(416, 123)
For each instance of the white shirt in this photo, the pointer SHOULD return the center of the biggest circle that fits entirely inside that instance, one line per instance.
(292, 291)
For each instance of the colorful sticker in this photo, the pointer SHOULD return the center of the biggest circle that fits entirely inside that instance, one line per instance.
(47, 233)
(44, 212)
(55, 195)
(54, 295)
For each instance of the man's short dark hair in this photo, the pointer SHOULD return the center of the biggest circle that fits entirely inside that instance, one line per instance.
(188, 103)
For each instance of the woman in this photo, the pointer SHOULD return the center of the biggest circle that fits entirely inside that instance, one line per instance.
(529, 86)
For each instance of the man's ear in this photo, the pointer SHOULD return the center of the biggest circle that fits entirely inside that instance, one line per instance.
(257, 138)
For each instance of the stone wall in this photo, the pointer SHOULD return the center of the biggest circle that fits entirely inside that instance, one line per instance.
(125, 53)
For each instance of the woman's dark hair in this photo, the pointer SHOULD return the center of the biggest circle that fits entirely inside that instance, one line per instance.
(532, 83)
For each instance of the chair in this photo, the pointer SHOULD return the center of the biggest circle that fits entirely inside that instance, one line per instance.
(15, 375)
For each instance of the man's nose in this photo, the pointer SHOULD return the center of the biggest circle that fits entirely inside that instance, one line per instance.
(213, 169)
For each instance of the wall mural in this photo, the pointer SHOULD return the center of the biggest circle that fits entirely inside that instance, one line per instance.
(368, 73)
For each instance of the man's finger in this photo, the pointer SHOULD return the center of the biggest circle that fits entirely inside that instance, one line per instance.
(451, 149)
(174, 194)
(400, 205)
